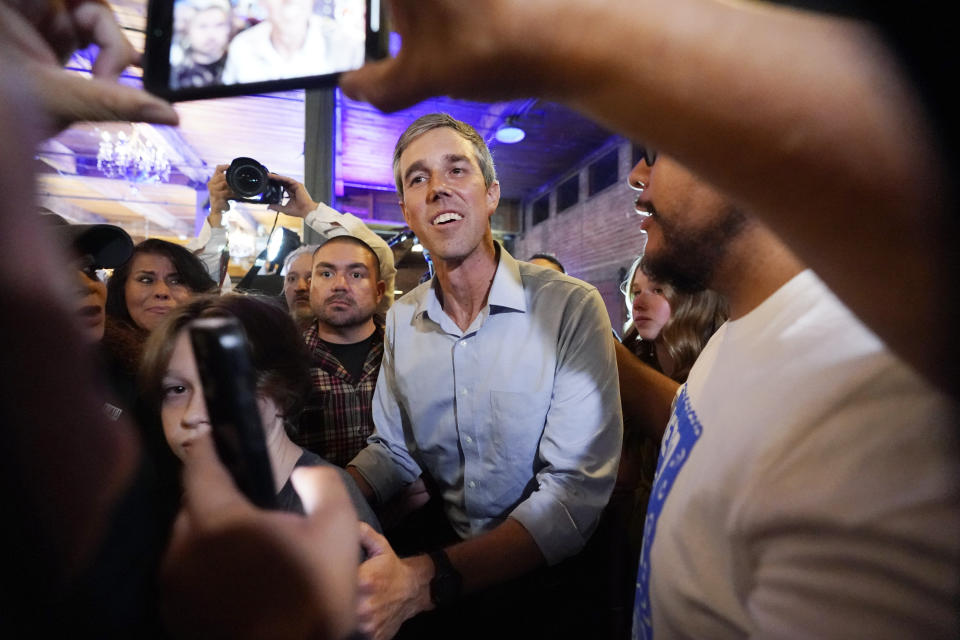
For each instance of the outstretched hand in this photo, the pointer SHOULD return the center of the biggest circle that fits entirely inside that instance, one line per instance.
(233, 570)
(390, 589)
(40, 35)
(496, 60)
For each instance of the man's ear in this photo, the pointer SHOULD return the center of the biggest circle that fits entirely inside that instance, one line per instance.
(493, 196)
(403, 208)
(381, 290)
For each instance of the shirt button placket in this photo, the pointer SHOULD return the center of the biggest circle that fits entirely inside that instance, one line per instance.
(462, 364)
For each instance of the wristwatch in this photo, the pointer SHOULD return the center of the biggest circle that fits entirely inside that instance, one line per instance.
(447, 582)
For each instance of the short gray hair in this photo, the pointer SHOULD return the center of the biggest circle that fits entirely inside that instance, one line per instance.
(296, 253)
(432, 121)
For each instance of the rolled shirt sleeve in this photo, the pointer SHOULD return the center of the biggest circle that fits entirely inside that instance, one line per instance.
(385, 463)
(207, 246)
(580, 446)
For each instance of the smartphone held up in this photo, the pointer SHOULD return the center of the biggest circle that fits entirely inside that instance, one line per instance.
(229, 390)
(215, 48)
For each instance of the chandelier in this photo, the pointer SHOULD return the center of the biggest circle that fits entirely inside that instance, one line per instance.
(132, 157)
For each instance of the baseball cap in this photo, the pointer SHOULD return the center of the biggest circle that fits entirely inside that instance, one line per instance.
(107, 245)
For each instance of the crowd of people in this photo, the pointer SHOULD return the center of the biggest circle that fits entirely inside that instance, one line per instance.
(771, 450)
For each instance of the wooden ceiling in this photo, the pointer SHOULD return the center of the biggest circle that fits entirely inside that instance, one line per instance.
(270, 128)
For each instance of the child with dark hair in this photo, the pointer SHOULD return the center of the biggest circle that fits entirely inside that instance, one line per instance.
(172, 385)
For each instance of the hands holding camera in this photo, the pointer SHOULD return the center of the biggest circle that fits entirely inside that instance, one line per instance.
(299, 203)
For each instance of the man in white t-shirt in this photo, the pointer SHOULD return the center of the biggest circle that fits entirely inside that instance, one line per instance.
(808, 480)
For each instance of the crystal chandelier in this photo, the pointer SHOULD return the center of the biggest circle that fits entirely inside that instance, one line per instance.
(132, 157)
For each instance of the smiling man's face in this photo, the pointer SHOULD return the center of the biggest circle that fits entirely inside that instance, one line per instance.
(445, 200)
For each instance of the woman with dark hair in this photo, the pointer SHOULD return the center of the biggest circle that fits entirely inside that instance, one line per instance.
(172, 387)
(159, 276)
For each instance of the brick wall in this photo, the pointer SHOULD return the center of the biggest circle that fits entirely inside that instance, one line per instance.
(596, 239)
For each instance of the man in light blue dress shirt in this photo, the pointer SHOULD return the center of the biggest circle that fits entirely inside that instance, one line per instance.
(498, 382)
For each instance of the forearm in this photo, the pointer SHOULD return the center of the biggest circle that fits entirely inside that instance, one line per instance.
(362, 484)
(497, 556)
(646, 395)
(506, 552)
(385, 465)
(742, 91)
(805, 120)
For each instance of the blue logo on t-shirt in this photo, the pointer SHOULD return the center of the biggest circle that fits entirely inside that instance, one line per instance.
(682, 433)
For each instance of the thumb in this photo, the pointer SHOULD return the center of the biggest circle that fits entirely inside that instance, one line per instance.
(70, 98)
(208, 489)
(372, 542)
(379, 84)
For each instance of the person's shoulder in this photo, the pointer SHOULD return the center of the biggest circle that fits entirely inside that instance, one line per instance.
(541, 281)
(408, 302)
(244, 36)
(403, 310)
(311, 459)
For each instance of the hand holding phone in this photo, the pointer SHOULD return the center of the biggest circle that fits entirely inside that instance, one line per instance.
(229, 388)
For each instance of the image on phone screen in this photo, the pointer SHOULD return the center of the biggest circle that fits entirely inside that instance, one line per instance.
(211, 48)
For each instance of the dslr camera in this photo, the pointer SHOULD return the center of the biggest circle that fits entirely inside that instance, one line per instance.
(249, 181)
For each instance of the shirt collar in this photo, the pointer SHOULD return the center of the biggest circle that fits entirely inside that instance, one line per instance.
(507, 288)
(506, 291)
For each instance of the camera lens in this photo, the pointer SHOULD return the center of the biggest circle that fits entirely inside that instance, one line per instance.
(247, 177)
(249, 180)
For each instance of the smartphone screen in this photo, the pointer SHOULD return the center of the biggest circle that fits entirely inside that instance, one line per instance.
(229, 389)
(213, 48)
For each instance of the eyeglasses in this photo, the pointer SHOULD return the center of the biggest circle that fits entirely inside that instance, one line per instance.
(644, 153)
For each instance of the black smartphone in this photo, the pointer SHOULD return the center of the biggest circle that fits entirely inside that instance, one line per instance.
(199, 49)
(229, 388)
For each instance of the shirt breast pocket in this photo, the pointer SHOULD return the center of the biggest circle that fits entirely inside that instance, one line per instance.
(517, 420)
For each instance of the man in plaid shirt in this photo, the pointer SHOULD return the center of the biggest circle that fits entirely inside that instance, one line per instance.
(345, 346)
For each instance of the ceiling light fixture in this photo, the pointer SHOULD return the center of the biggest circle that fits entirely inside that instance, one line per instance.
(509, 132)
(133, 158)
